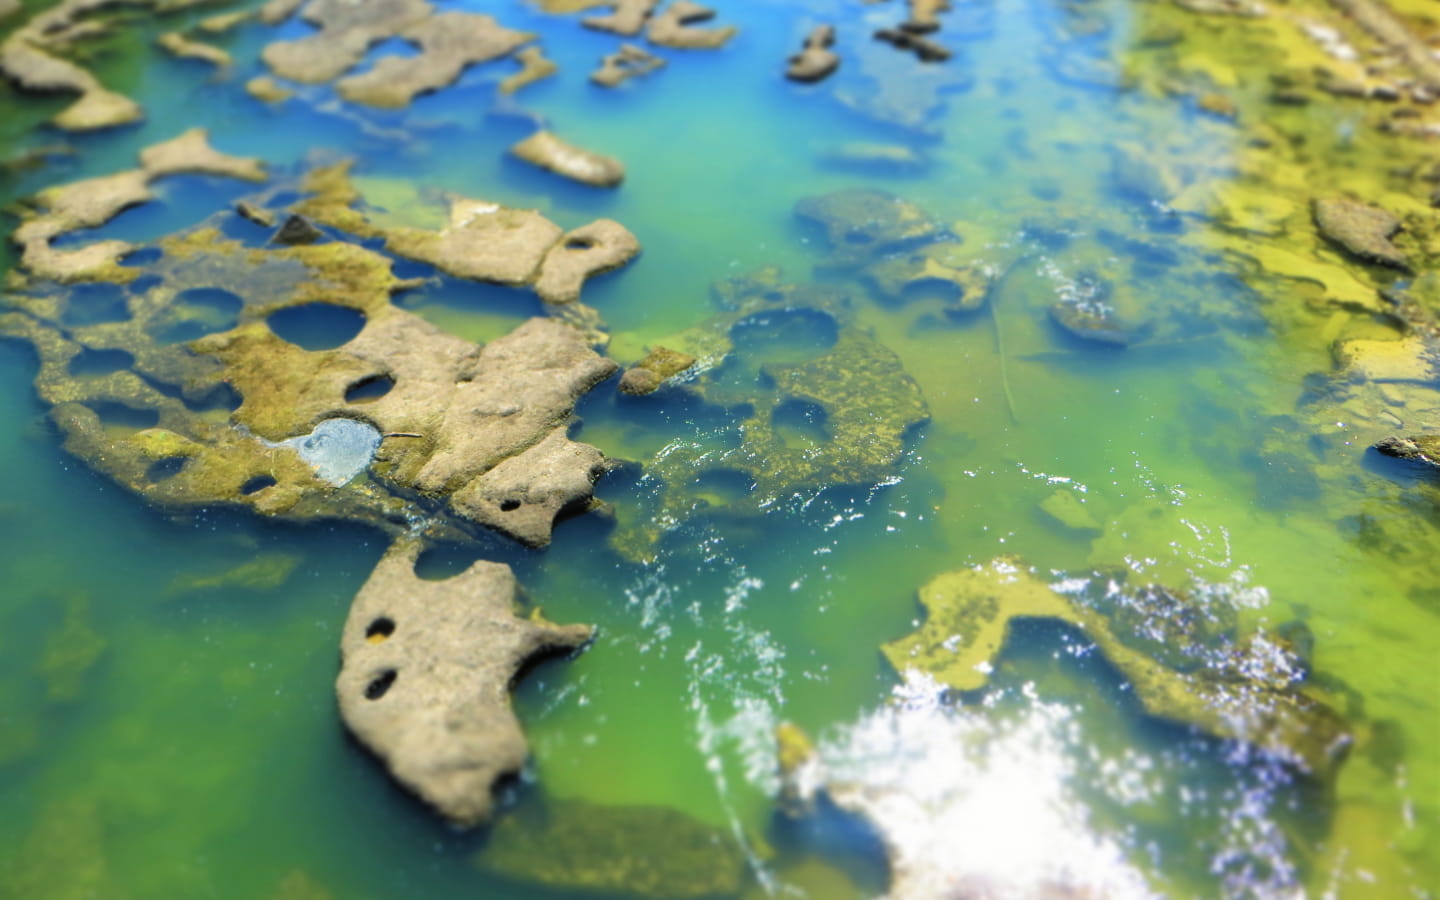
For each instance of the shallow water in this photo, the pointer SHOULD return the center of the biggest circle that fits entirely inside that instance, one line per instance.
(200, 754)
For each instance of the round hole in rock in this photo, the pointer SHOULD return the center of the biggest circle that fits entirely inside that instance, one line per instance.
(579, 243)
(164, 469)
(94, 304)
(95, 363)
(370, 388)
(785, 335)
(509, 505)
(142, 285)
(380, 684)
(257, 484)
(801, 424)
(316, 326)
(195, 313)
(380, 629)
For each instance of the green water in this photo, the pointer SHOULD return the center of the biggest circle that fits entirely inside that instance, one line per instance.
(201, 754)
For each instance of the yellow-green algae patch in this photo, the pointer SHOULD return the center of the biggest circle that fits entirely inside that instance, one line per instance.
(1252, 697)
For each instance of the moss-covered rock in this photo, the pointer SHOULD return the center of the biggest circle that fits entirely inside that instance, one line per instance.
(652, 852)
(1248, 689)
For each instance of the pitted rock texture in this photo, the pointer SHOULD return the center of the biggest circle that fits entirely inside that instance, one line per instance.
(425, 678)
(449, 42)
(601, 246)
(95, 201)
(186, 389)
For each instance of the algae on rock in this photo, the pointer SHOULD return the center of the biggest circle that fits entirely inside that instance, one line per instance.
(1252, 691)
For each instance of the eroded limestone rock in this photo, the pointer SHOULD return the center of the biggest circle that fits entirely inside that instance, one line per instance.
(483, 241)
(949, 266)
(675, 27)
(815, 61)
(533, 67)
(1421, 449)
(626, 18)
(425, 678)
(449, 42)
(1361, 230)
(1252, 690)
(547, 151)
(95, 201)
(632, 851)
(188, 393)
(601, 246)
(860, 223)
(628, 62)
(177, 44)
(347, 31)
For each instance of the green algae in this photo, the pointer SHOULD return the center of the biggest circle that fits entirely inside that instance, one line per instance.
(267, 572)
(71, 652)
(633, 851)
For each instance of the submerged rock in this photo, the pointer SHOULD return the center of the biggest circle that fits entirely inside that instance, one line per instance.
(866, 155)
(1364, 231)
(646, 376)
(964, 279)
(1251, 691)
(1421, 449)
(71, 651)
(267, 572)
(652, 852)
(674, 27)
(547, 151)
(815, 61)
(629, 62)
(861, 223)
(1065, 509)
(425, 678)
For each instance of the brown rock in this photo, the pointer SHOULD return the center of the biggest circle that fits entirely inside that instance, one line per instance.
(629, 62)
(924, 49)
(674, 28)
(601, 246)
(547, 151)
(177, 44)
(1421, 448)
(347, 32)
(449, 43)
(35, 70)
(626, 18)
(1363, 231)
(816, 61)
(425, 678)
(523, 496)
(273, 12)
(925, 16)
(533, 67)
(191, 154)
(267, 89)
(483, 242)
(297, 230)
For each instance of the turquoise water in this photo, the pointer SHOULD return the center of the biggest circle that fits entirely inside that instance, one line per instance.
(200, 753)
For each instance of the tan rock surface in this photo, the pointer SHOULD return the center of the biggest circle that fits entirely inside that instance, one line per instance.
(425, 678)
(674, 27)
(449, 42)
(347, 32)
(547, 151)
(601, 246)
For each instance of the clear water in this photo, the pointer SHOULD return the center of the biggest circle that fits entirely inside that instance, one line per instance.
(201, 754)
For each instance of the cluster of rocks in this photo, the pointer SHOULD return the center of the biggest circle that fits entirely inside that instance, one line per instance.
(674, 27)
(186, 373)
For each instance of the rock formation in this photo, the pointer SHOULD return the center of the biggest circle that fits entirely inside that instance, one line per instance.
(547, 151)
(425, 678)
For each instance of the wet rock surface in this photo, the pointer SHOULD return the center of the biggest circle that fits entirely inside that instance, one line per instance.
(425, 678)
(1361, 230)
(534, 66)
(626, 17)
(449, 42)
(546, 150)
(459, 436)
(646, 376)
(628, 62)
(1250, 689)
(1423, 449)
(815, 61)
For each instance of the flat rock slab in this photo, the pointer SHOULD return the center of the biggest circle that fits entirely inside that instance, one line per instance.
(1363, 231)
(674, 28)
(449, 43)
(483, 241)
(547, 151)
(347, 32)
(425, 675)
(628, 62)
